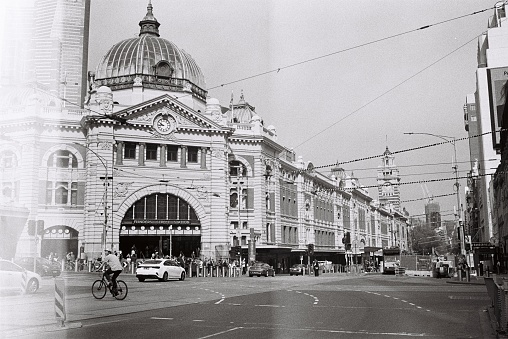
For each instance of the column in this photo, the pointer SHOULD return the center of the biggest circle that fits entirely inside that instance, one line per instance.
(119, 152)
(203, 157)
(162, 156)
(141, 155)
(183, 159)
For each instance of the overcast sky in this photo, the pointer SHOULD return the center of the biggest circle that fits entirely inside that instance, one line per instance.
(345, 98)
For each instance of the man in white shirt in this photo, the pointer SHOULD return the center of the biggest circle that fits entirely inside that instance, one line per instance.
(114, 267)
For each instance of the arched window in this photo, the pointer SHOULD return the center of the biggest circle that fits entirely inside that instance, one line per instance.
(164, 69)
(236, 169)
(161, 206)
(62, 159)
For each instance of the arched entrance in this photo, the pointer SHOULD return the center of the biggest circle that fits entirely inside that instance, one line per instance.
(163, 223)
(59, 240)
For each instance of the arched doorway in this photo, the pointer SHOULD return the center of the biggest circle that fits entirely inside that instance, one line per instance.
(59, 240)
(163, 223)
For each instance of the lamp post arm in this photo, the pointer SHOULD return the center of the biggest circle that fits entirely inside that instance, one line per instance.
(104, 163)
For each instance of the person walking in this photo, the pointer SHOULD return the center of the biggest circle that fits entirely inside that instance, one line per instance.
(315, 265)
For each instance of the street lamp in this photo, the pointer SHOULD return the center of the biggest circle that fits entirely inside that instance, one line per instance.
(455, 167)
(106, 184)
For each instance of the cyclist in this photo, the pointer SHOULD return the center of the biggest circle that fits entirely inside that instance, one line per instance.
(115, 268)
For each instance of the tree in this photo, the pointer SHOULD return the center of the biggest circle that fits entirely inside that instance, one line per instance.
(424, 239)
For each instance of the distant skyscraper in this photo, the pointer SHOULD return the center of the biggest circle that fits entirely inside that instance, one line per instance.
(433, 215)
(60, 43)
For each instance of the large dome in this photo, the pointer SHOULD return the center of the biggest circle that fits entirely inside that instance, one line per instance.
(149, 55)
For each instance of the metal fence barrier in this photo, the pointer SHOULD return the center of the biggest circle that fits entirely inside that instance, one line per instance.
(498, 293)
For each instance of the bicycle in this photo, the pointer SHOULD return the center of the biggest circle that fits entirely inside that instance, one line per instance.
(69, 265)
(101, 286)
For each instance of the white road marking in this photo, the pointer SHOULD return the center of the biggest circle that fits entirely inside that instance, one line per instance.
(270, 305)
(220, 333)
(158, 318)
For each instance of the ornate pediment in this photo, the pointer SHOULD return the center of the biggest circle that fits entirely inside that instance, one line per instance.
(165, 116)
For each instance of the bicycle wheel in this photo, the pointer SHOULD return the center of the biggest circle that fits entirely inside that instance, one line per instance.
(121, 289)
(99, 289)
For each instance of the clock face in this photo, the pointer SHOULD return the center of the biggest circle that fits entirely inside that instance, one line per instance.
(387, 188)
(163, 124)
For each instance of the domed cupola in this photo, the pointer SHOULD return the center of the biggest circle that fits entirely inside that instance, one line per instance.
(151, 62)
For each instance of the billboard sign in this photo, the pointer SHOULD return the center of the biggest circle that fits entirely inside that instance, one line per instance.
(497, 79)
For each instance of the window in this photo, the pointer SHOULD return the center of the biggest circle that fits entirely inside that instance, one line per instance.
(7, 160)
(192, 155)
(129, 151)
(172, 153)
(7, 191)
(61, 193)
(151, 151)
(63, 159)
(236, 169)
(58, 193)
(233, 198)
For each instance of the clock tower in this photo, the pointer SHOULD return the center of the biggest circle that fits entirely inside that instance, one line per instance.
(388, 180)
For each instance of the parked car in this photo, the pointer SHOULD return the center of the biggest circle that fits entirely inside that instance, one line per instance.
(44, 267)
(11, 278)
(261, 268)
(162, 269)
(297, 269)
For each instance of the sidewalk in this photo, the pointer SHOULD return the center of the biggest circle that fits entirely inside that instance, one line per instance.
(487, 316)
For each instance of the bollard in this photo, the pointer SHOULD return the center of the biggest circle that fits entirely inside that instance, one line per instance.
(24, 282)
(60, 301)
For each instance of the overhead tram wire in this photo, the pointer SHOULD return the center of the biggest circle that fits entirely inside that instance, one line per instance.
(358, 169)
(277, 70)
(402, 151)
(101, 115)
(434, 196)
(386, 92)
(419, 181)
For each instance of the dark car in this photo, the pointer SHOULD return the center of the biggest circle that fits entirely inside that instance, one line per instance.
(43, 267)
(297, 269)
(261, 268)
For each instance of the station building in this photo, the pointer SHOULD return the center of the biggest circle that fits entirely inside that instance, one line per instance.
(153, 162)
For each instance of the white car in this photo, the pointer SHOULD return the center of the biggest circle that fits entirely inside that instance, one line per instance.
(11, 278)
(162, 269)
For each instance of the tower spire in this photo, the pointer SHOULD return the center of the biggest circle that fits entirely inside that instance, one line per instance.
(149, 25)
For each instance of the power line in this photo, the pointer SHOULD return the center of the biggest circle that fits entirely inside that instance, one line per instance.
(404, 150)
(277, 70)
(434, 196)
(385, 92)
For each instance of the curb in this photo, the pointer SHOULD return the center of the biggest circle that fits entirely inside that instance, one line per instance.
(38, 329)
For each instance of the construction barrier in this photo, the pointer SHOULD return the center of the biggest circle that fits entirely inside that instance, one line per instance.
(400, 271)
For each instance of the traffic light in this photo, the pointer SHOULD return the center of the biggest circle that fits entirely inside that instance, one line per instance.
(311, 249)
(40, 227)
(165, 244)
(347, 239)
(31, 227)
